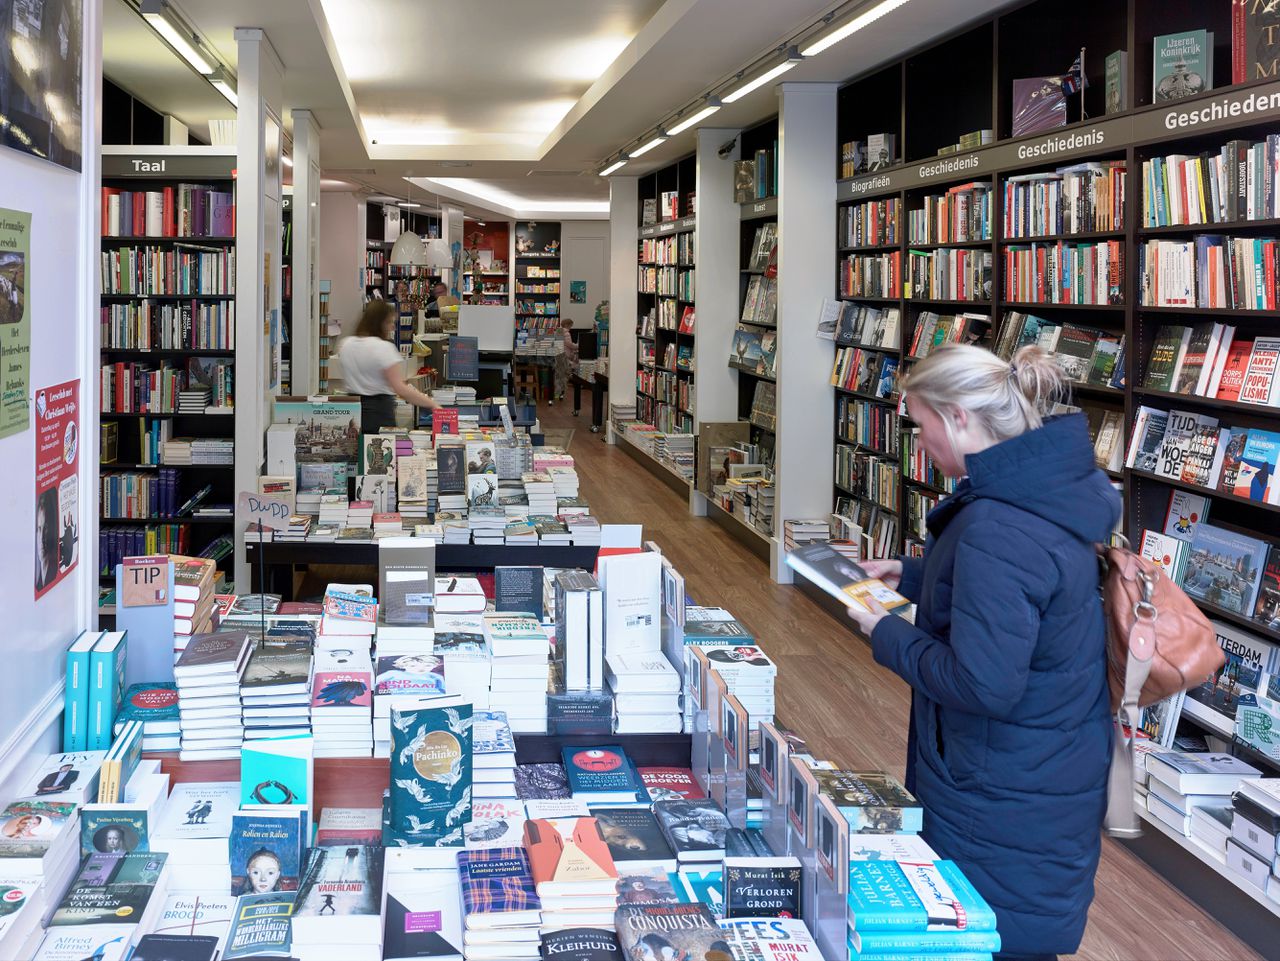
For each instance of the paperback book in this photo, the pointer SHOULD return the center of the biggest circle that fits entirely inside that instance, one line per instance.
(431, 771)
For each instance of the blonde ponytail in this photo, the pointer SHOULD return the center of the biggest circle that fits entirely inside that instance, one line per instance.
(1008, 399)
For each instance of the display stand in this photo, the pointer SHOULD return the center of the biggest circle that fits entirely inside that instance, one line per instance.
(150, 630)
(775, 765)
(828, 915)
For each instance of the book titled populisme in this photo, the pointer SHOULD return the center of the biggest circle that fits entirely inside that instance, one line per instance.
(843, 579)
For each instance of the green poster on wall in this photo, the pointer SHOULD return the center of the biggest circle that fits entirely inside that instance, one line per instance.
(15, 322)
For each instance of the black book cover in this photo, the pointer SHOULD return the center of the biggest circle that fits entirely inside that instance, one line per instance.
(451, 464)
(632, 834)
(762, 892)
(692, 827)
(581, 944)
(541, 781)
(518, 589)
(175, 947)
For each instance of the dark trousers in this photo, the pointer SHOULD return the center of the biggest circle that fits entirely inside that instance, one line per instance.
(376, 412)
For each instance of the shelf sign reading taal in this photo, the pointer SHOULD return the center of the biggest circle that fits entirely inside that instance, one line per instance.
(167, 165)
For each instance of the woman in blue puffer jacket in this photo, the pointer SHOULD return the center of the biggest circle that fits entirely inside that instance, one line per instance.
(1010, 735)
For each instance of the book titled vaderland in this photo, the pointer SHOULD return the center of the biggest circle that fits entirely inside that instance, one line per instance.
(844, 580)
(581, 944)
(431, 772)
(669, 931)
(340, 896)
(260, 927)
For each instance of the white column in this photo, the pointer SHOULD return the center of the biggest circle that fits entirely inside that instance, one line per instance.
(623, 299)
(806, 253)
(258, 137)
(451, 230)
(306, 240)
(718, 279)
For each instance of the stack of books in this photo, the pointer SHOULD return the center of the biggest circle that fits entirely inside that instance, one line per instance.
(799, 532)
(193, 401)
(388, 522)
(584, 530)
(551, 531)
(194, 584)
(275, 690)
(405, 669)
(342, 703)
(573, 872)
(308, 500)
(520, 531)
(1253, 850)
(749, 675)
(299, 527)
(213, 450)
(113, 901)
(360, 514)
(338, 908)
(917, 907)
(500, 905)
(520, 669)
(333, 510)
(1178, 782)
(193, 829)
(350, 617)
(493, 761)
(487, 524)
(155, 706)
(208, 677)
(456, 530)
(646, 693)
(51, 857)
(540, 492)
(565, 481)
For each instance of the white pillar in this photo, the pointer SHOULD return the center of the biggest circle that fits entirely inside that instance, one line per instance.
(258, 139)
(623, 299)
(451, 229)
(718, 279)
(806, 252)
(306, 239)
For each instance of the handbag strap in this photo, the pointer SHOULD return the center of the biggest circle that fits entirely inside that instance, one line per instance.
(1122, 819)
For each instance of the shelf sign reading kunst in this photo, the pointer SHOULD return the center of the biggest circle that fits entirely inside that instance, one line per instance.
(15, 321)
(57, 483)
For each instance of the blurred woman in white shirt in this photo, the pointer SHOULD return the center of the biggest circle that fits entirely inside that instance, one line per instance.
(373, 368)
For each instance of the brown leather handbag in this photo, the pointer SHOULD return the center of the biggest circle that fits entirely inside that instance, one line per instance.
(1158, 643)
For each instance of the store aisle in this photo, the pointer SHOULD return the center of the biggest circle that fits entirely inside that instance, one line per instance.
(829, 687)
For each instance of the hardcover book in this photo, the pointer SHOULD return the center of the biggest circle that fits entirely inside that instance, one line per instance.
(669, 931)
(110, 888)
(581, 944)
(431, 771)
(265, 851)
(762, 887)
(909, 896)
(260, 927)
(1183, 65)
(634, 837)
(872, 802)
(497, 888)
(1255, 40)
(205, 654)
(423, 918)
(1224, 568)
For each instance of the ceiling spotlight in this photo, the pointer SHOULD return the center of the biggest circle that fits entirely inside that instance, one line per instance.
(657, 141)
(713, 104)
(851, 27)
(793, 58)
(162, 19)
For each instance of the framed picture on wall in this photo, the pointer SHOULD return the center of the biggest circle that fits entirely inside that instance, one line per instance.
(41, 60)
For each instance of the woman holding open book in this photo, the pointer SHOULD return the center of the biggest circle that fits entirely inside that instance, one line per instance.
(1010, 738)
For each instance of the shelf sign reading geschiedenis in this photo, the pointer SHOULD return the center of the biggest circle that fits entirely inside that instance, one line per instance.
(1225, 109)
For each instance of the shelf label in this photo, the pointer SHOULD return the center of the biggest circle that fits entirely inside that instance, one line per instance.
(144, 581)
(1209, 113)
(271, 512)
(221, 166)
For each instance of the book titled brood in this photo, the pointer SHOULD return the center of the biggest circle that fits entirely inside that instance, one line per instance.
(431, 772)
(843, 579)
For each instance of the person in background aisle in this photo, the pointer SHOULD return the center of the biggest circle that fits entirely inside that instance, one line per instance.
(1010, 737)
(440, 297)
(373, 368)
(567, 361)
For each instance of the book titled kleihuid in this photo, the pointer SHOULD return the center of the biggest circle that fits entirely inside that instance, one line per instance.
(580, 944)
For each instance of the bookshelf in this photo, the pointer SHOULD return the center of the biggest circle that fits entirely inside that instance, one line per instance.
(324, 345)
(166, 336)
(879, 476)
(537, 278)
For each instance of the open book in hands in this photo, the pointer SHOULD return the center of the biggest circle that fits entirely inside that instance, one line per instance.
(843, 579)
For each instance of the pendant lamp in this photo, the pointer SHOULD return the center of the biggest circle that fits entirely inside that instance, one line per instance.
(408, 250)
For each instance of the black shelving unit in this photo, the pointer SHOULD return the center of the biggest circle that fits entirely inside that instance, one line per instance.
(144, 333)
(538, 278)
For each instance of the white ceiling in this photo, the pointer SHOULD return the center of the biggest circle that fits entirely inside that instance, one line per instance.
(534, 94)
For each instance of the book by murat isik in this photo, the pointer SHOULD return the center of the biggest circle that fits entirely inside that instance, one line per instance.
(260, 927)
(770, 939)
(431, 772)
(668, 930)
(762, 887)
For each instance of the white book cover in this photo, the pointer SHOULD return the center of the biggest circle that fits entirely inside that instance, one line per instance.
(632, 588)
(495, 823)
(66, 777)
(199, 913)
(642, 672)
(197, 811)
(100, 942)
(422, 915)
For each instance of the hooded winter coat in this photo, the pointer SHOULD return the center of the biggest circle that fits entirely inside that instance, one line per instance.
(1010, 730)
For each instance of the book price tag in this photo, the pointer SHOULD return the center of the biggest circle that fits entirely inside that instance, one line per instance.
(271, 512)
(144, 581)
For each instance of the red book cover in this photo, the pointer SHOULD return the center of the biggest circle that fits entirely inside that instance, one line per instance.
(169, 229)
(139, 214)
(444, 420)
(557, 858)
(671, 782)
(107, 194)
(1233, 373)
(299, 607)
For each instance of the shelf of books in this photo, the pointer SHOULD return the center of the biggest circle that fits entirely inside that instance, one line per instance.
(747, 492)
(375, 269)
(665, 417)
(1130, 229)
(537, 288)
(167, 341)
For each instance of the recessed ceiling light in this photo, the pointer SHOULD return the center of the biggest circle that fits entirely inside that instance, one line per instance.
(863, 19)
(793, 58)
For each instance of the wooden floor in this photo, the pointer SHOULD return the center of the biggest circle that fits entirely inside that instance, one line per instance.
(852, 711)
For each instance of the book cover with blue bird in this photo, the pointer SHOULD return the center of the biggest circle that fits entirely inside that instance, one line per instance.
(431, 772)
